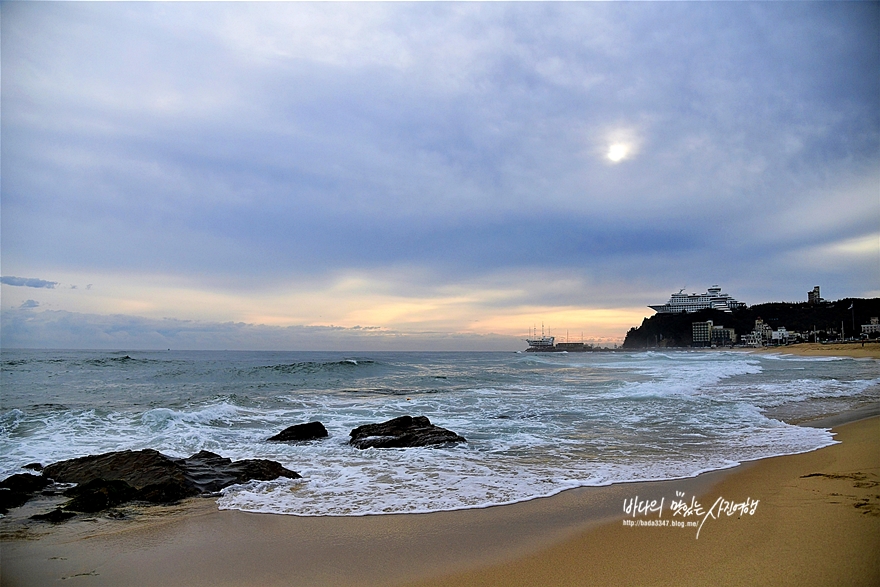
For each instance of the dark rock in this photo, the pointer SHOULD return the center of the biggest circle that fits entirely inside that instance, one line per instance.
(17, 489)
(170, 491)
(137, 468)
(99, 494)
(210, 472)
(107, 480)
(56, 516)
(33, 466)
(405, 431)
(12, 499)
(300, 432)
(260, 470)
(24, 483)
(113, 478)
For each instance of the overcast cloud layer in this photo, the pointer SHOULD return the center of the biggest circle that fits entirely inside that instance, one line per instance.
(433, 167)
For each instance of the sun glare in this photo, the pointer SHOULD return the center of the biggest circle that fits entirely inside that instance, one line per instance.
(617, 152)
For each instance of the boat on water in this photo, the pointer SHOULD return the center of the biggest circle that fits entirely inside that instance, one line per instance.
(548, 344)
(544, 343)
(541, 344)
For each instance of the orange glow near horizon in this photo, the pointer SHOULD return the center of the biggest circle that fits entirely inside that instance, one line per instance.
(346, 303)
(594, 323)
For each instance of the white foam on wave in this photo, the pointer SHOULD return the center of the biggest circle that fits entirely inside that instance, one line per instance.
(63, 434)
(426, 480)
(159, 418)
(571, 421)
(803, 358)
(695, 370)
(768, 395)
(10, 420)
(59, 435)
(508, 466)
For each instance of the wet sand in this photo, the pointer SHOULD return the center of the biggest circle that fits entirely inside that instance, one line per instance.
(817, 522)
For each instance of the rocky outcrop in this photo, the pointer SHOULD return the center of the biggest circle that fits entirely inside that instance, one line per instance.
(56, 516)
(99, 494)
(160, 478)
(143, 469)
(210, 472)
(17, 489)
(301, 432)
(110, 479)
(405, 431)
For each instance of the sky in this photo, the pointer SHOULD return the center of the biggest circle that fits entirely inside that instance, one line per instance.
(426, 176)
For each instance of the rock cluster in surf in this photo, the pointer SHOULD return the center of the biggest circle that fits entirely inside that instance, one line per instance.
(301, 432)
(402, 432)
(17, 489)
(112, 479)
(405, 431)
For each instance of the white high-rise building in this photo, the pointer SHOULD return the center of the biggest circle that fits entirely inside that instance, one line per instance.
(713, 299)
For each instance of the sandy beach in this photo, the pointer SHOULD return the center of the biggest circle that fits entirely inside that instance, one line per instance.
(816, 522)
(856, 350)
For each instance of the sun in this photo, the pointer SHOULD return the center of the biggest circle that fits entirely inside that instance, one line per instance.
(617, 152)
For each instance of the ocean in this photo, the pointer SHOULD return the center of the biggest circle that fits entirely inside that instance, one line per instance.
(536, 424)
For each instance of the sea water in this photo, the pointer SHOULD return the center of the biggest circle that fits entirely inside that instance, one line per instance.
(535, 424)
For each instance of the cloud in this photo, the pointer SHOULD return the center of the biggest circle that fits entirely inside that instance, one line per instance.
(244, 148)
(851, 253)
(61, 329)
(27, 282)
(27, 304)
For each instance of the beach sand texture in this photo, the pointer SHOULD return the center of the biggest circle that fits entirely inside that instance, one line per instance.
(817, 523)
(856, 350)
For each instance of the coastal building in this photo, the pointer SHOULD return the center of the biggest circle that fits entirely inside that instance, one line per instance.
(813, 297)
(701, 333)
(763, 335)
(763, 331)
(707, 334)
(873, 327)
(760, 334)
(780, 336)
(713, 299)
(722, 336)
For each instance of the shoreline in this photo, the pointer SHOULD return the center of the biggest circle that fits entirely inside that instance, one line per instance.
(852, 350)
(817, 523)
(551, 540)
